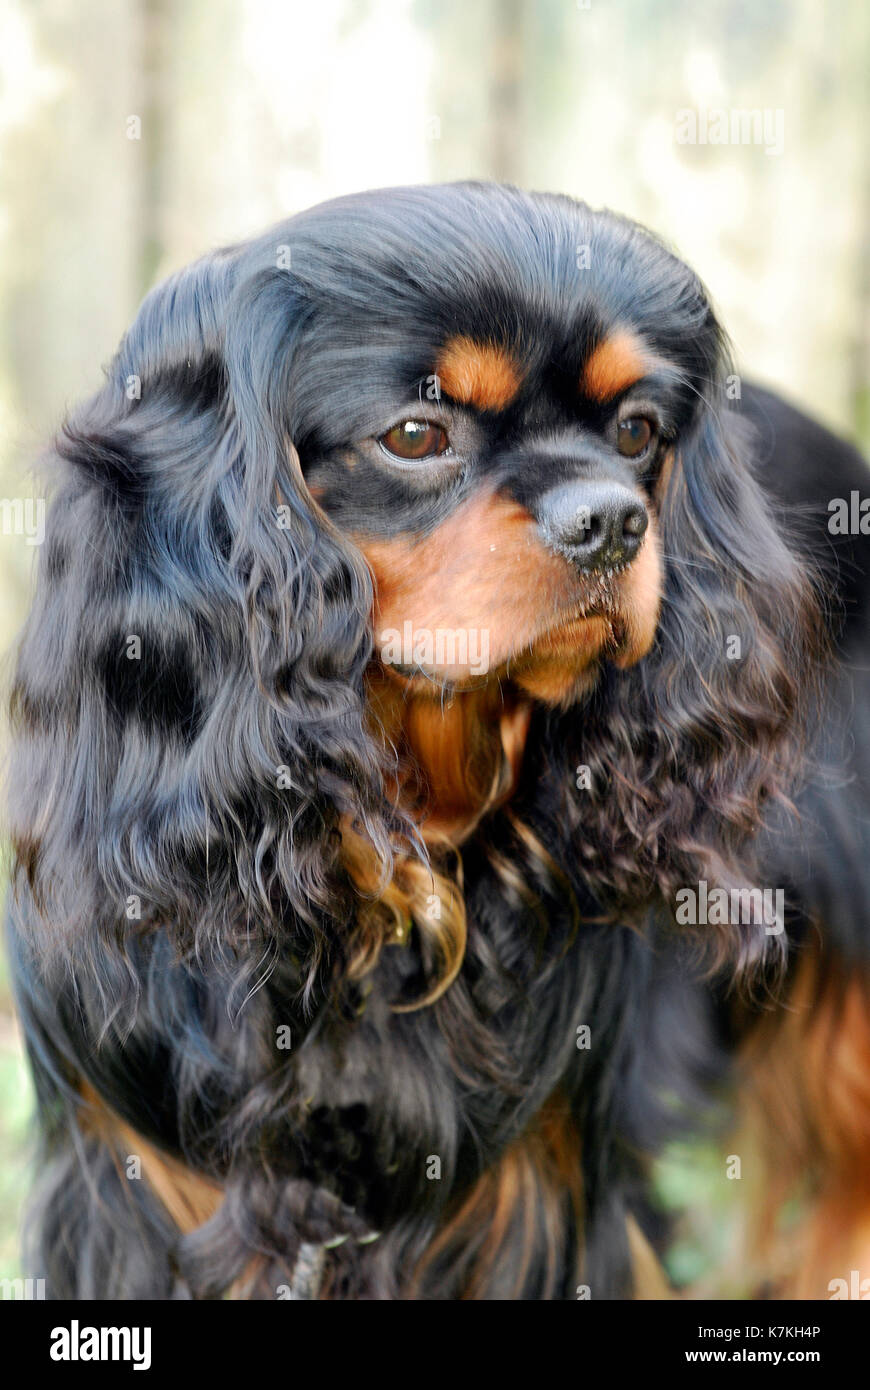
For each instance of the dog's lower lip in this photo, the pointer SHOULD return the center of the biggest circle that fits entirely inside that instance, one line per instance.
(573, 616)
(407, 670)
(569, 632)
(424, 676)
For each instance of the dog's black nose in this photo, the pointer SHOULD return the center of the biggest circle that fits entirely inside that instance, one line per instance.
(595, 525)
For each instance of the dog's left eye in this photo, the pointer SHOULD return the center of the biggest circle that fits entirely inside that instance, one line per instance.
(634, 435)
(415, 439)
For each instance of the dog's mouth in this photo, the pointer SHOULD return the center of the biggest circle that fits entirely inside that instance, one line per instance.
(580, 622)
(549, 637)
(563, 663)
(574, 638)
(594, 628)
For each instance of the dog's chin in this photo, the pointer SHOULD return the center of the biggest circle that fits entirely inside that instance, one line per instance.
(559, 667)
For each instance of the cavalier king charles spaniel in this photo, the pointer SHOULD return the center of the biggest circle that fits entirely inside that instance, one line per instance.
(439, 775)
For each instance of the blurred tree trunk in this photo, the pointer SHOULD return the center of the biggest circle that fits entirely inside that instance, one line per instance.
(859, 340)
(506, 74)
(154, 21)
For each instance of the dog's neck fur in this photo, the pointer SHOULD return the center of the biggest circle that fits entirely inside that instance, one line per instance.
(459, 753)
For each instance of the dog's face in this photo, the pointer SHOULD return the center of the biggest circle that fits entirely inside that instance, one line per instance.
(508, 514)
(497, 446)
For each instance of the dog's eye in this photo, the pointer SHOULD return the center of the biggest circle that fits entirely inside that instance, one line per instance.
(634, 435)
(415, 439)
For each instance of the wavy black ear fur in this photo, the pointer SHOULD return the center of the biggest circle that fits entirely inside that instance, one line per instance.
(688, 749)
(188, 703)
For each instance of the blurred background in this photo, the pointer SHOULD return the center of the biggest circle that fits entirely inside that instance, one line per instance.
(136, 134)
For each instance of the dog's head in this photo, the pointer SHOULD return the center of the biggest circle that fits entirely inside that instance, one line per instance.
(485, 402)
(455, 439)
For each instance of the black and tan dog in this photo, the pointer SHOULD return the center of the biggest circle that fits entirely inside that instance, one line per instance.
(426, 618)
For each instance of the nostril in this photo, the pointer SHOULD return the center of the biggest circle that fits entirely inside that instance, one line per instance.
(635, 522)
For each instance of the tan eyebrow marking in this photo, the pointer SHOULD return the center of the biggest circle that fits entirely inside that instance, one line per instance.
(480, 374)
(617, 363)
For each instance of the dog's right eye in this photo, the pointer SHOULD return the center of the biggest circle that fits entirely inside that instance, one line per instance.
(415, 439)
(634, 436)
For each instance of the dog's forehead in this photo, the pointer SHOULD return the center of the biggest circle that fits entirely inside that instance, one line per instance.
(490, 353)
(495, 307)
(518, 326)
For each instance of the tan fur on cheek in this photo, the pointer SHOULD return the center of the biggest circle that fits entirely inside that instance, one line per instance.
(484, 570)
(641, 600)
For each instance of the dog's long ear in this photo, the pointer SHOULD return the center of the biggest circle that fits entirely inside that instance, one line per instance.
(188, 713)
(687, 748)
